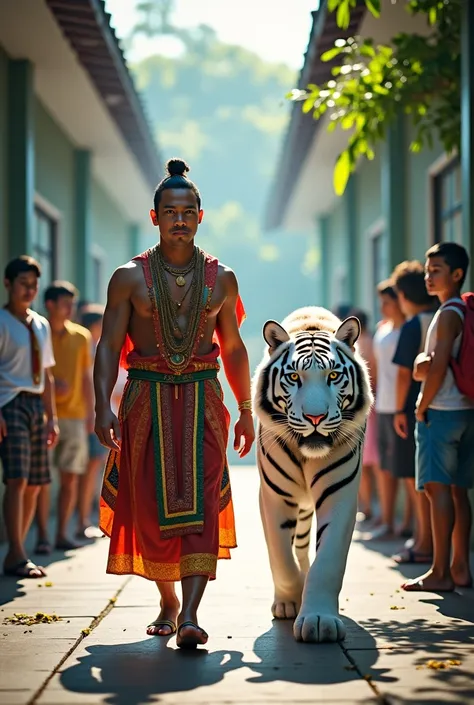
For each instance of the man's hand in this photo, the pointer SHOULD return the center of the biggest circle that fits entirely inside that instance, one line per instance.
(420, 414)
(52, 433)
(244, 435)
(3, 427)
(107, 429)
(400, 424)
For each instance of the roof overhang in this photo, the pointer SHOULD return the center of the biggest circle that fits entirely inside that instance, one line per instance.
(82, 79)
(303, 185)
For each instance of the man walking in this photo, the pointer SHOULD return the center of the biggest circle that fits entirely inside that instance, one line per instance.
(28, 421)
(166, 500)
(72, 347)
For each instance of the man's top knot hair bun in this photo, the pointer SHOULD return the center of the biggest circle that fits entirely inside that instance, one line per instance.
(176, 167)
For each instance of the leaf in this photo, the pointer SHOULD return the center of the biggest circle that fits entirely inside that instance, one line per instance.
(308, 105)
(374, 7)
(342, 172)
(432, 15)
(331, 53)
(343, 15)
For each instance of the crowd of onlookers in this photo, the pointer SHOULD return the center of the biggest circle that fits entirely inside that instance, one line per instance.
(47, 416)
(420, 434)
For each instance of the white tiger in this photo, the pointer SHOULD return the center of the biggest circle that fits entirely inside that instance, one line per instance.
(311, 394)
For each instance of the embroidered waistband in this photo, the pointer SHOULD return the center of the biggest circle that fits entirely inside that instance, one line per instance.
(166, 378)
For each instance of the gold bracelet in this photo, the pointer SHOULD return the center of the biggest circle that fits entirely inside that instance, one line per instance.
(245, 405)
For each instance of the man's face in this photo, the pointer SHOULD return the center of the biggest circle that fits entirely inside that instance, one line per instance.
(62, 309)
(438, 276)
(389, 307)
(178, 216)
(22, 291)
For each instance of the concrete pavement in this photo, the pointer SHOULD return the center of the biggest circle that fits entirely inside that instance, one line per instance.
(396, 646)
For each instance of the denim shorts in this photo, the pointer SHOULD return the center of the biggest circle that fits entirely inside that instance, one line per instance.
(444, 448)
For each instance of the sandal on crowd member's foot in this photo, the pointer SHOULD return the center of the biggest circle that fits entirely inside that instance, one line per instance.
(159, 623)
(411, 556)
(43, 548)
(24, 569)
(89, 532)
(191, 641)
(66, 545)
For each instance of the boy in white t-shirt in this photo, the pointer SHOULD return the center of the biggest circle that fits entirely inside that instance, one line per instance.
(445, 427)
(28, 423)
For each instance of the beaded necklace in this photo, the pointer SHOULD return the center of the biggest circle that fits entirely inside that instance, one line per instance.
(178, 344)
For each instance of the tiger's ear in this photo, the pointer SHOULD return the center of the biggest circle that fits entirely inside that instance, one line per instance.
(274, 334)
(349, 331)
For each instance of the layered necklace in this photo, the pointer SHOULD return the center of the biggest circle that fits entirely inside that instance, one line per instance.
(178, 344)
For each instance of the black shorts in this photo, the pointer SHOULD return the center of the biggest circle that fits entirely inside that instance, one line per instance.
(397, 455)
(24, 450)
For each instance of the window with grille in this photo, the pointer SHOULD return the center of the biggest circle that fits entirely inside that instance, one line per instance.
(44, 248)
(447, 202)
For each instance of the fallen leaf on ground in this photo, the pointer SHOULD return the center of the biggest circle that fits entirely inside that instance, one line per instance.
(435, 665)
(86, 632)
(30, 619)
(395, 607)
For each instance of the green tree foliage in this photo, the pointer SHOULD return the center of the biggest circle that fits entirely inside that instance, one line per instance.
(372, 83)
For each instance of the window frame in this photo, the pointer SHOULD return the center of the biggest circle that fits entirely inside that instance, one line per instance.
(440, 217)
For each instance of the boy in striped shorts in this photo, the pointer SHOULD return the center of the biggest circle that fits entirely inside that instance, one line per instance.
(28, 423)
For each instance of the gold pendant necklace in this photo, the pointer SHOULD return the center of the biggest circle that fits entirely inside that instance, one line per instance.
(180, 273)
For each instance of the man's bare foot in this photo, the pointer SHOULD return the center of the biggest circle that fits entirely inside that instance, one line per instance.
(462, 576)
(165, 623)
(429, 582)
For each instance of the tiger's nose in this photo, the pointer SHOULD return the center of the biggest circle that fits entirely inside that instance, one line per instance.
(315, 420)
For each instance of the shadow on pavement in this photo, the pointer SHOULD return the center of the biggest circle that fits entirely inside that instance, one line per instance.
(135, 673)
(284, 659)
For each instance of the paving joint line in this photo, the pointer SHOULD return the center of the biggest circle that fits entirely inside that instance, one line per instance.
(83, 635)
(381, 699)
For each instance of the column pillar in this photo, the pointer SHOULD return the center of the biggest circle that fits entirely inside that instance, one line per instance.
(393, 192)
(21, 158)
(351, 230)
(83, 230)
(324, 245)
(134, 240)
(467, 128)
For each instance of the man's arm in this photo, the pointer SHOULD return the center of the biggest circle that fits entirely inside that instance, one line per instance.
(449, 327)
(49, 400)
(408, 346)
(236, 362)
(114, 329)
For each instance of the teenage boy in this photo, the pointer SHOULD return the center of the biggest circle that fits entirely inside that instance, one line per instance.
(28, 423)
(445, 428)
(75, 403)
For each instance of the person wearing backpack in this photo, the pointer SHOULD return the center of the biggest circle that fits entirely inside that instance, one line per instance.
(445, 420)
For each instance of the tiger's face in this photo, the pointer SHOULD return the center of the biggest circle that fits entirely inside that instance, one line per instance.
(312, 389)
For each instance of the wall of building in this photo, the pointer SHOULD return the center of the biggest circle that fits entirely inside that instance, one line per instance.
(54, 182)
(338, 255)
(110, 234)
(418, 195)
(369, 223)
(3, 158)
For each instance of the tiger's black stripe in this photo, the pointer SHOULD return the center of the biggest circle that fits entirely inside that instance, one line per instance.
(276, 466)
(303, 536)
(288, 524)
(293, 505)
(274, 487)
(289, 453)
(305, 545)
(334, 466)
(320, 533)
(337, 486)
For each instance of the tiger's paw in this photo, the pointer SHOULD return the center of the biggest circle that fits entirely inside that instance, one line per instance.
(315, 627)
(287, 606)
